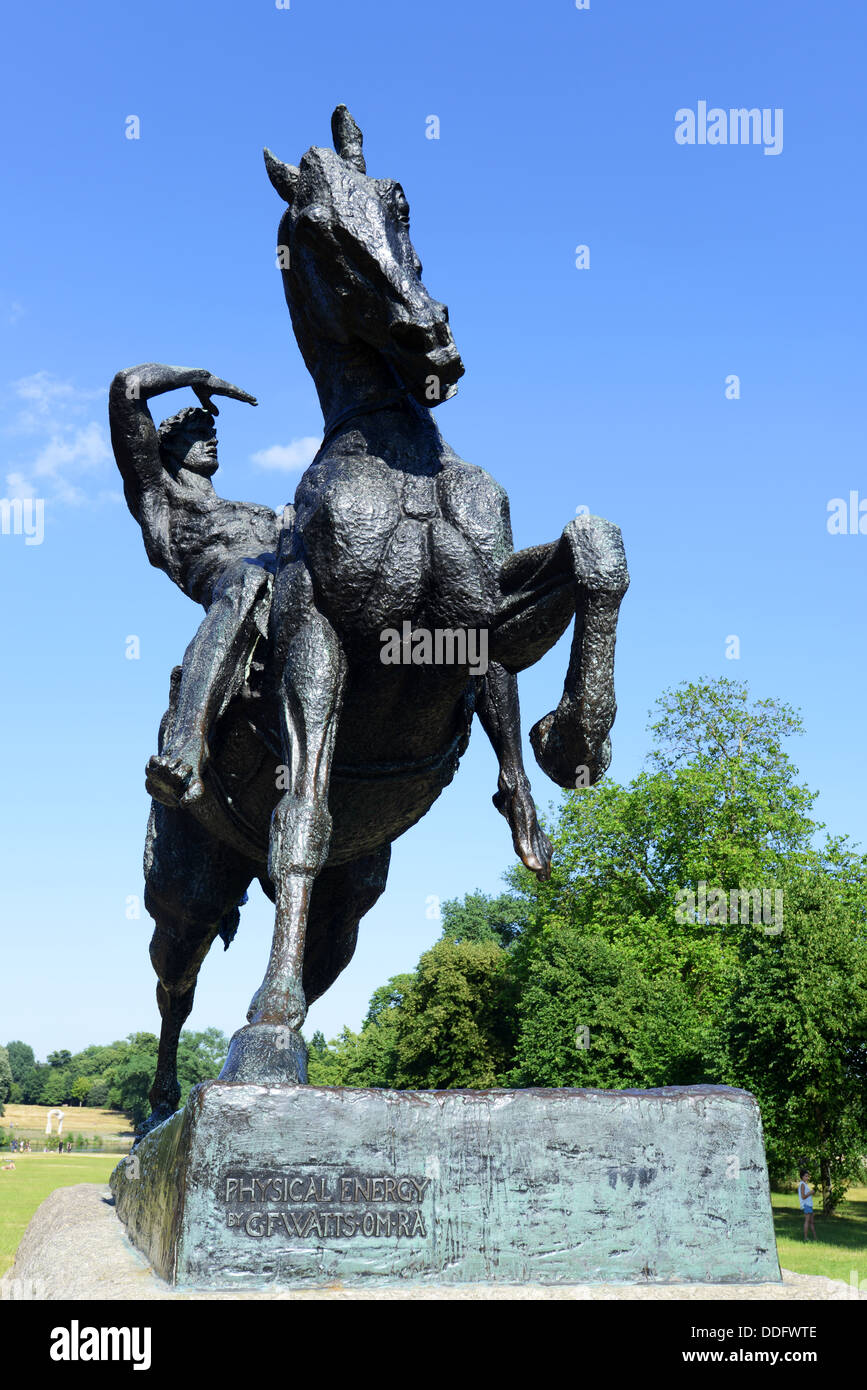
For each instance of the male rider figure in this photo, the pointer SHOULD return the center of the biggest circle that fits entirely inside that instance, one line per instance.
(221, 553)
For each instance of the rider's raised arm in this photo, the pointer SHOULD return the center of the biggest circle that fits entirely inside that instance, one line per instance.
(133, 433)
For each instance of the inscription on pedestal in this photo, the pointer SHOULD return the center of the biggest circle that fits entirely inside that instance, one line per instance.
(325, 1205)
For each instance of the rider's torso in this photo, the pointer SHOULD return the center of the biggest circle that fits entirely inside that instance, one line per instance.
(208, 533)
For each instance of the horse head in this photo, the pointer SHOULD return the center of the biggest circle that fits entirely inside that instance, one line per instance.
(350, 269)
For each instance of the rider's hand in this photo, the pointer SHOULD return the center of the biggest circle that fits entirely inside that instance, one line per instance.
(217, 387)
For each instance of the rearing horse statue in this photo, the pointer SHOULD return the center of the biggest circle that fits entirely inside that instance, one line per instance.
(333, 734)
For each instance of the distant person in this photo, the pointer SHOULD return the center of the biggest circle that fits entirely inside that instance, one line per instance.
(805, 1197)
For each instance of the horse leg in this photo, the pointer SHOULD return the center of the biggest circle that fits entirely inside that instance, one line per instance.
(310, 697)
(193, 890)
(499, 712)
(343, 893)
(583, 573)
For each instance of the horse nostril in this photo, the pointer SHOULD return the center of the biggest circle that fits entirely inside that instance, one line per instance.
(414, 337)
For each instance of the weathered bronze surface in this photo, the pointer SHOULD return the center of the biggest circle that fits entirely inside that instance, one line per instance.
(328, 696)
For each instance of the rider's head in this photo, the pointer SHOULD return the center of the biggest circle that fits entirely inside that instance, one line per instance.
(189, 440)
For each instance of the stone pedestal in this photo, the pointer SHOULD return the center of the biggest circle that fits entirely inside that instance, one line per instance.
(252, 1185)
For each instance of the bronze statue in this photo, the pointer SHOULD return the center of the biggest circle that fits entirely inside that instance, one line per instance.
(328, 696)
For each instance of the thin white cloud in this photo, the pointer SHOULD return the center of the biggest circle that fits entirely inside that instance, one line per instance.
(65, 447)
(83, 451)
(298, 453)
(44, 395)
(42, 390)
(18, 486)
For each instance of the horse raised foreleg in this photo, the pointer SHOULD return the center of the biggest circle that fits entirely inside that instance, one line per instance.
(311, 694)
(583, 573)
(499, 712)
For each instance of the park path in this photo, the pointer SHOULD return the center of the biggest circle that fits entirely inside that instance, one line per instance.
(75, 1248)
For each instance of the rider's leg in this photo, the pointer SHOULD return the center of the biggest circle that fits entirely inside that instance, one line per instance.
(212, 672)
(193, 888)
(310, 698)
(499, 712)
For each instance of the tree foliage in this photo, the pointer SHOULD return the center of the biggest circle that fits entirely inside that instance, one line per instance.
(5, 1075)
(118, 1075)
(796, 1035)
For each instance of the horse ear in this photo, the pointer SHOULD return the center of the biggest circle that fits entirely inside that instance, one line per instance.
(347, 139)
(284, 177)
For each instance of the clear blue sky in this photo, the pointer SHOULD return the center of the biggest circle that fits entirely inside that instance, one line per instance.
(602, 387)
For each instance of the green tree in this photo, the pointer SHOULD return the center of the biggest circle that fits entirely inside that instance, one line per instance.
(370, 1059)
(480, 917)
(55, 1088)
(5, 1076)
(327, 1062)
(22, 1063)
(721, 804)
(579, 1013)
(35, 1082)
(797, 1031)
(21, 1059)
(131, 1079)
(97, 1094)
(200, 1057)
(455, 1025)
(80, 1089)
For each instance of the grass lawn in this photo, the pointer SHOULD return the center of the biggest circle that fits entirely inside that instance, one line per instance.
(28, 1122)
(842, 1239)
(34, 1177)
